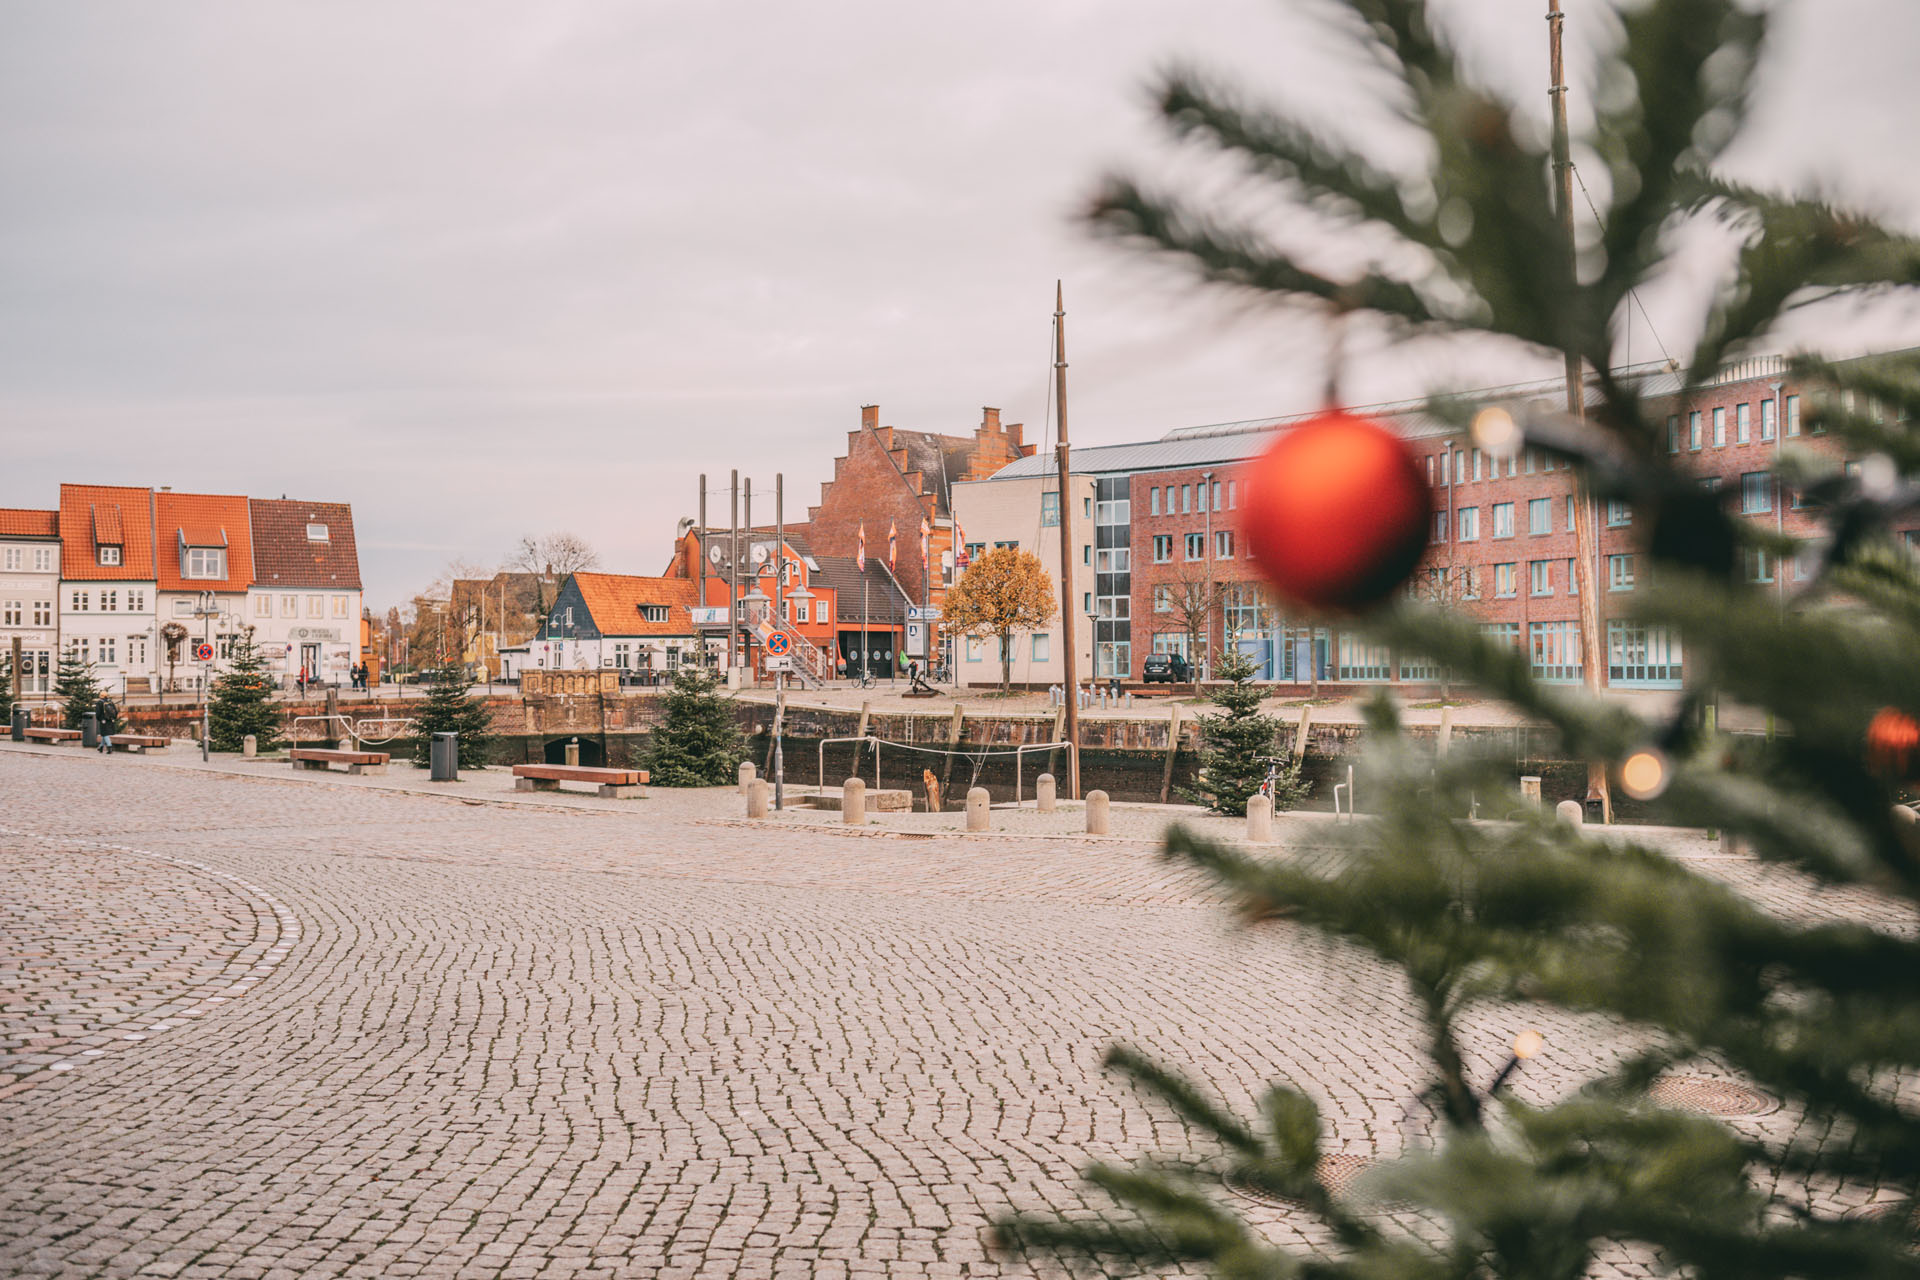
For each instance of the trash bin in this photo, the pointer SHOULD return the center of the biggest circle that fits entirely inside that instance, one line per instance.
(20, 722)
(90, 731)
(444, 758)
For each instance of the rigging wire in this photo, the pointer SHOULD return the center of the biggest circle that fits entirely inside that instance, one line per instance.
(1632, 294)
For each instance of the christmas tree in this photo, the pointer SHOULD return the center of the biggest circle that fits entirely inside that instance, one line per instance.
(6, 688)
(698, 742)
(1236, 744)
(242, 700)
(79, 692)
(1479, 917)
(449, 707)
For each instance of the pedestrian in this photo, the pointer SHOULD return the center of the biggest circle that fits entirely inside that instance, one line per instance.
(303, 680)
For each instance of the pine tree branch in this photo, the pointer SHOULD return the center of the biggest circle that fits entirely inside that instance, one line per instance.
(1186, 1101)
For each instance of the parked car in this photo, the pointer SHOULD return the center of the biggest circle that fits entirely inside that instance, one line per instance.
(1165, 668)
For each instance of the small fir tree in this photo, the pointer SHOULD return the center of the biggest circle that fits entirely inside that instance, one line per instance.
(449, 707)
(1235, 742)
(6, 689)
(79, 691)
(699, 743)
(242, 702)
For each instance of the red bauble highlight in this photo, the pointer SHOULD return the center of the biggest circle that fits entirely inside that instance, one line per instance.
(1336, 512)
(1893, 736)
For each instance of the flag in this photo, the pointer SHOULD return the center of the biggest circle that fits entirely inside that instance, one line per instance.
(860, 558)
(924, 558)
(959, 546)
(893, 545)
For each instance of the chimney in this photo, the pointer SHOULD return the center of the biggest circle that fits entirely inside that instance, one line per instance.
(869, 417)
(990, 420)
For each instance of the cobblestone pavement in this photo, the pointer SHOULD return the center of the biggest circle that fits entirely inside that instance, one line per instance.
(258, 1025)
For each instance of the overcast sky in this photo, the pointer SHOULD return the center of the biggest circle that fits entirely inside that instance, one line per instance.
(484, 269)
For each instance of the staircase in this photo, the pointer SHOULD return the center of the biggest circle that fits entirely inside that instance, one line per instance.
(811, 667)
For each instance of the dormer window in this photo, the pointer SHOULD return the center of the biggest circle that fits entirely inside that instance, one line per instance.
(109, 555)
(205, 562)
(316, 533)
(653, 612)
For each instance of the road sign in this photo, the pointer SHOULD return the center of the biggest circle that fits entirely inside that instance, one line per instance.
(202, 651)
(779, 663)
(779, 644)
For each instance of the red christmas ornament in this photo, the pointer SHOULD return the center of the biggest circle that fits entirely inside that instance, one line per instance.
(1892, 738)
(1336, 512)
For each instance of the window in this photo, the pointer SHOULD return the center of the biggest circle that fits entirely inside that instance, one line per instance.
(1555, 650)
(1756, 492)
(205, 562)
(1223, 544)
(1506, 581)
(1153, 500)
(975, 550)
(1244, 609)
(1793, 415)
(820, 612)
(316, 533)
(1620, 573)
(43, 613)
(1720, 428)
(1539, 515)
(1086, 553)
(1086, 509)
(1086, 602)
(316, 606)
(1216, 495)
(1042, 647)
(182, 607)
(1233, 499)
(1693, 431)
(1573, 577)
(1470, 582)
(1503, 519)
(1113, 560)
(289, 606)
(651, 613)
(1361, 659)
(1440, 526)
(802, 610)
(1643, 655)
(1476, 464)
(10, 613)
(1162, 548)
(1113, 511)
(1743, 423)
(1540, 577)
(109, 555)
(1163, 599)
(1569, 513)
(43, 559)
(108, 654)
(1200, 497)
(109, 602)
(1006, 546)
(1759, 564)
(1469, 521)
(1186, 498)
(1618, 513)
(1446, 467)
(1502, 633)
(1767, 412)
(79, 602)
(622, 655)
(15, 557)
(136, 602)
(1673, 433)
(1050, 510)
(1196, 546)
(263, 606)
(973, 648)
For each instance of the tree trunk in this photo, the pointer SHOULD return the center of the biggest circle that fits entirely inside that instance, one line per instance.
(1006, 662)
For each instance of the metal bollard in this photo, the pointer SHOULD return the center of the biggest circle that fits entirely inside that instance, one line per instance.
(1097, 820)
(250, 746)
(1571, 812)
(1045, 790)
(1260, 819)
(747, 772)
(1530, 791)
(757, 798)
(573, 754)
(978, 802)
(443, 758)
(853, 803)
(90, 730)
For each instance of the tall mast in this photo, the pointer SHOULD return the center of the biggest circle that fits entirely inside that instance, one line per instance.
(1066, 539)
(1586, 546)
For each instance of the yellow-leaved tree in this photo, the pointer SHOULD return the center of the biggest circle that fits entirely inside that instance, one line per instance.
(1005, 591)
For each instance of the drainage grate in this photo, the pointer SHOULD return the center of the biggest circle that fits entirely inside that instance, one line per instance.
(1712, 1097)
(1338, 1171)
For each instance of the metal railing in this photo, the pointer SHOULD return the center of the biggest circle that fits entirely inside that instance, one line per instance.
(1018, 753)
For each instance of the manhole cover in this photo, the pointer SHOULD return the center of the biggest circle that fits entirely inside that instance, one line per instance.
(1338, 1171)
(1710, 1097)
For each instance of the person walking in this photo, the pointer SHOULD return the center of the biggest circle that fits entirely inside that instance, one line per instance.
(303, 680)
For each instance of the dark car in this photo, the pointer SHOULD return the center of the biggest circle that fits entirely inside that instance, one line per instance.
(1164, 668)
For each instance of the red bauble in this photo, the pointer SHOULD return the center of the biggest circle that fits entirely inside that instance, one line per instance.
(1336, 512)
(1892, 738)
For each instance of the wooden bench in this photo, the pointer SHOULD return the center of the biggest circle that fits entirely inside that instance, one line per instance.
(37, 733)
(615, 784)
(140, 742)
(357, 762)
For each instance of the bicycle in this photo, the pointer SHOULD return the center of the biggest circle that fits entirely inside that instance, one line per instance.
(1273, 764)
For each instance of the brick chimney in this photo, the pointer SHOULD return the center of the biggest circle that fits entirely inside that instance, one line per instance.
(990, 420)
(869, 417)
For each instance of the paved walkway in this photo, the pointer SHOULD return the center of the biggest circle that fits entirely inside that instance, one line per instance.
(258, 1024)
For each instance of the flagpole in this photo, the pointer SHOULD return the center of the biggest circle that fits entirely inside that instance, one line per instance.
(1066, 542)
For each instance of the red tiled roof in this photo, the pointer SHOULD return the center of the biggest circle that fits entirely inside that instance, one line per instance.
(203, 520)
(24, 522)
(111, 511)
(283, 554)
(614, 600)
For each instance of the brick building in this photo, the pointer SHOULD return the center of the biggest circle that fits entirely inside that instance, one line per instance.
(1502, 543)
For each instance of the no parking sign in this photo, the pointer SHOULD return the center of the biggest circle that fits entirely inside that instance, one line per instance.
(779, 644)
(202, 651)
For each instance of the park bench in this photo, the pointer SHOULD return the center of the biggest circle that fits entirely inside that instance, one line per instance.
(357, 762)
(615, 784)
(140, 742)
(37, 733)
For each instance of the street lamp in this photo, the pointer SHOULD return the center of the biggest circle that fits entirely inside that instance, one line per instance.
(206, 607)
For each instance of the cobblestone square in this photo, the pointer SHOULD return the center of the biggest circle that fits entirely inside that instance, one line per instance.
(260, 1026)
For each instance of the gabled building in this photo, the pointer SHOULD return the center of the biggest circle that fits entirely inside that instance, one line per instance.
(108, 583)
(633, 624)
(203, 559)
(305, 600)
(29, 590)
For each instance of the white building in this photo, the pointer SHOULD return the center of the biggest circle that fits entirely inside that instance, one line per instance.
(108, 586)
(304, 602)
(29, 592)
(1023, 512)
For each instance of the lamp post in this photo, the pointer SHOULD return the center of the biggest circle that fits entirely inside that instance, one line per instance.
(205, 608)
(1206, 600)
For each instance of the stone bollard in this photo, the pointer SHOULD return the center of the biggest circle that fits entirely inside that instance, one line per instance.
(1906, 825)
(1260, 819)
(1570, 812)
(746, 775)
(1045, 791)
(573, 754)
(757, 798)
(853, 803)
(250, 746)
(1530, 791)
(978, 802)
(1097, 823)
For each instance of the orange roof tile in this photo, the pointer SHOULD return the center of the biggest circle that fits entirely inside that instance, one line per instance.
(203, 520)
(614, 600)
(24, 522)
(110, 511)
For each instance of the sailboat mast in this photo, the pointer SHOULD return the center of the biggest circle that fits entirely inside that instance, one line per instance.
(1066, 540)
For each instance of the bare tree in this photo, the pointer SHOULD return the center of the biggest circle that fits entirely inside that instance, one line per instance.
(549, 558)
(1190, 602)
